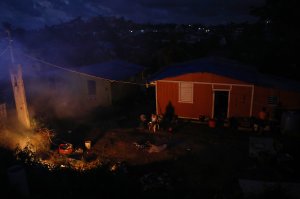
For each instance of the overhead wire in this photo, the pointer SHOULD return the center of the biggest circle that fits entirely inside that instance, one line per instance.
(81, 73)
(2, 53)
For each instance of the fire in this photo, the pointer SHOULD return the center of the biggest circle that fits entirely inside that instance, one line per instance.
(34, 148)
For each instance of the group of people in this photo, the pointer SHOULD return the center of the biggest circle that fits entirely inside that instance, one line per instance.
(156, 122)
(152, 125)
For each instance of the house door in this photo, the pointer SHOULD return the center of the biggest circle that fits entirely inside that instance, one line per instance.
(220, 104)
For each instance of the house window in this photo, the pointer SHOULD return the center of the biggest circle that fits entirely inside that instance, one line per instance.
(91, 87)
(186, 90)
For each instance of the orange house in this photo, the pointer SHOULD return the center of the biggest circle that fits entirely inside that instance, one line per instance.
(221, 88)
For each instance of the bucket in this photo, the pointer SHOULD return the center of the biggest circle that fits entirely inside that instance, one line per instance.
(212, 123)
(65, 149)
(88, 144)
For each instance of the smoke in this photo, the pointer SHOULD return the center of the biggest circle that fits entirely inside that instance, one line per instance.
(14, 136)
(48, 92)
(52, 98)
(11, 140)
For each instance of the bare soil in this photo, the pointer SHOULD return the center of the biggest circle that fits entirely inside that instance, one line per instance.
(194, 161)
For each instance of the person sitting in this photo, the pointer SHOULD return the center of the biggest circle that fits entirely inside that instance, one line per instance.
(153, 124)
(143, 121)
(262, 119)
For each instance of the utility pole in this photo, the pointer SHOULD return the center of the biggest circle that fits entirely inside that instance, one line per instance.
(18, 87)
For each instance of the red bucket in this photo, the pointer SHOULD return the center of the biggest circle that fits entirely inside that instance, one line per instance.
(212, 123)
(65, 149)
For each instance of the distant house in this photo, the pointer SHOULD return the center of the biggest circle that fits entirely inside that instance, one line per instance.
(75, 91)
(221, 88)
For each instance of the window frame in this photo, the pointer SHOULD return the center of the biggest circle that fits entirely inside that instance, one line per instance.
(181, 87)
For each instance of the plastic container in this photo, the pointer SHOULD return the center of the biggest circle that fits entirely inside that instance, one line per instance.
(88, 144)
(65, 149)
(212, 123)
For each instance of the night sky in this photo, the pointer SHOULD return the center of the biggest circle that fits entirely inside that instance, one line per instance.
(32, 14)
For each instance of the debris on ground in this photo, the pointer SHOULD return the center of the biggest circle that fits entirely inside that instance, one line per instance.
(157, 148)
(150, 148)
(119, 167)
(141, 146)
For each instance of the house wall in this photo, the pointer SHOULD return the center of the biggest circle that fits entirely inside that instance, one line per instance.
(287, 99)
(67, 94)
(168, 92)
(78, 91)
(240, 101)
(204, 86)
(244, 99)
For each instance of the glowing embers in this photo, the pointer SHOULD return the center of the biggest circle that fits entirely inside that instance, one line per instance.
(74, 159)
(36, 150)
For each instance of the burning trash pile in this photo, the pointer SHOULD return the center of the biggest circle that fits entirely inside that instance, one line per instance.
(38, 149)
(64, 157)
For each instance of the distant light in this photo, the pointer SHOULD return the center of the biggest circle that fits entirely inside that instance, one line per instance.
(268, 21)
(207, 30)
(190, 25)
(130, 30)
(142, 30)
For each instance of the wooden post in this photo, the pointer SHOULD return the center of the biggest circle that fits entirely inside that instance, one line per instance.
(19, 95)
(3, 115)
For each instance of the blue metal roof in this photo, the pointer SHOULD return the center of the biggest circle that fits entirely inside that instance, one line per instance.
(228, 68)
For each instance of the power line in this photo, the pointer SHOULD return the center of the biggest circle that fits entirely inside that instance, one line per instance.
(4, 51)
(12, 57)
(80, 73)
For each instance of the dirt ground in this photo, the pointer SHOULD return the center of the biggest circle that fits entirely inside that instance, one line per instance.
(191, 162)
(195, 156)
(194, 161)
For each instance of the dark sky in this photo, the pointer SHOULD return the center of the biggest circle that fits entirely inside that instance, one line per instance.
(37, 13)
